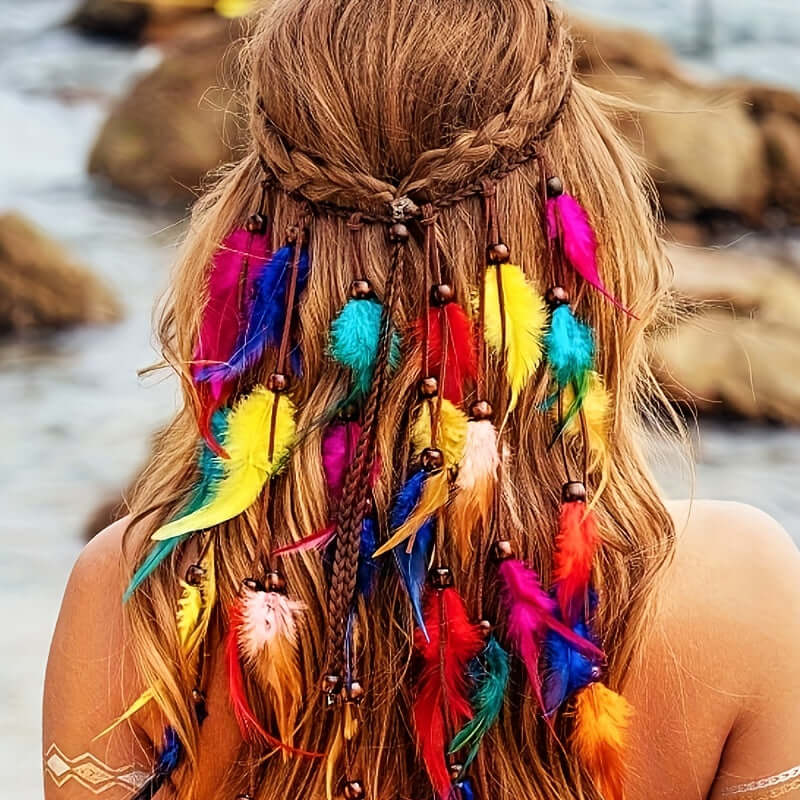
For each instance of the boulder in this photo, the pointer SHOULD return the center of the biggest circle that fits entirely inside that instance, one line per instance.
(115, 19)
(41, 287)
(174, 126)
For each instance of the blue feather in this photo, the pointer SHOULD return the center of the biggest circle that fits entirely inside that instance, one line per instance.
(570, 346)
(567, 671)
(367, 565)
(267, 315)
(413, 566)
(168, 758)
(465, 787)
(210, 470)
(355, 336)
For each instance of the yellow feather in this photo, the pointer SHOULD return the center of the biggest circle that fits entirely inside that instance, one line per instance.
(601, 721)
(434, 496)
(248, 468)
(331, 763)
(451, 433)
(234, 8)
(525, 319)
(140, 702)
(190, 605)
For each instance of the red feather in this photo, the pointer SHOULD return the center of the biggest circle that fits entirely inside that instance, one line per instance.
(315, 541)
(249, 725)
(575, 548)
(441, 705)
(461, 364)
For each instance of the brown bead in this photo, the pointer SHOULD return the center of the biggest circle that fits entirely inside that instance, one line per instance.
(441, 578)
(277, 382)
(256, 223)
(556, 296)
(429, 387)
(331, 683)
(432, 459)
(499, 253)
(398, 232)
(554, 186)
(275, 582)
(481, 410)
(292, 234)
(455, 771)
(361, 289)
(195, 574)
(485, 628)
(200, 708)
(442, 294)
(244, 796)
(502, 550)
(573, 492)
(354, 693)
(253, 585)
(353, 790)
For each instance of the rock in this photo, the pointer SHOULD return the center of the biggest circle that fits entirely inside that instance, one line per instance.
(116, 19)
(41, 287)
(173, 126)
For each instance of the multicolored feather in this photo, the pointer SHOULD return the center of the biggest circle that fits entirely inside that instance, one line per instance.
(568, 222)
(489, 673)
(576, 544)
(442, 699)
(249, 466)
(521, 323)
(602, 718)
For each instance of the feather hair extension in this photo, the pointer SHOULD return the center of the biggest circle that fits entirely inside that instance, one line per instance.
(525, 323)
(167, 760)
(576, 544)
(596, 408)
(267, 314)
(567, 671)
(601, 722)
(442, 688)
(460, 354)
(568, 222)
(451, 432)
(413, 568)
(354, 340)
(249, 467)
(222, 316)
(339, 442)
(490, 673)
(530, 614)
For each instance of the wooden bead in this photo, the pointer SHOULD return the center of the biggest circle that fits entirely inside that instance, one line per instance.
(361, 289)
(455, 771)
(256, 223)
(429, 387)
(292, 234)
(485, 628)
(554, 186)
(354, 693)
(556, 296)
(441, 578)
(200, 707)
(442, 294)
(353, 790)
(573, 492)
(195, 574)
(244, 796)
(349, 412)
(275, 582)
(481, 410)
(499, 253)
(253, 585)
(331, 683)
(432, 459)
(503, 550)
(398, 232)
(277, 382)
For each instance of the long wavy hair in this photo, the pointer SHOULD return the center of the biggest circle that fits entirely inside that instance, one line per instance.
(354, 102)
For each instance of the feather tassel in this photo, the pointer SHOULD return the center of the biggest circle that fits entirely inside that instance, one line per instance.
(451, 432)
(460, 356)
(441, 697)
(601, 721)
(490, 678)
(596, 408)
(576, 544)
(530, 615)
(249, 467)
(525, 321)
(167, 760)
(568, 222)
(567, 671)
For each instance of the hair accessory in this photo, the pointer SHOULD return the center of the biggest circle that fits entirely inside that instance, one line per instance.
(167, 760)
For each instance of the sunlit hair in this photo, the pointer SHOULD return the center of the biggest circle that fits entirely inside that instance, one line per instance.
(347, 99)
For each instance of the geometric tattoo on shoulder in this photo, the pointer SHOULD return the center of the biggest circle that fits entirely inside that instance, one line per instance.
(90, 772)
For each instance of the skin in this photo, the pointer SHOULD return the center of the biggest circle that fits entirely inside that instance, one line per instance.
(716, 691)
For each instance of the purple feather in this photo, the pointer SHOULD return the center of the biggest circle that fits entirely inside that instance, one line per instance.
(568, 222)
(339, 443)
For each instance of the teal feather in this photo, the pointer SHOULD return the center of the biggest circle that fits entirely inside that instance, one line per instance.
(355, 336)
(491, 678)
(210, 471)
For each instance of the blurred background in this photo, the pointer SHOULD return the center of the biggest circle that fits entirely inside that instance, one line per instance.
(112, 112)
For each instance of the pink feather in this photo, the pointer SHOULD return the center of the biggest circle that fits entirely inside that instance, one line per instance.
(530, 613)
(318, 540)
(339, 442)
(567, 221)
(222, 316)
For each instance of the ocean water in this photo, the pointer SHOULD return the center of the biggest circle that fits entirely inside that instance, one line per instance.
(77, 417)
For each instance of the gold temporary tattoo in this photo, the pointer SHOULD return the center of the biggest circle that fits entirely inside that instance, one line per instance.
(767, 788)
(90, 772)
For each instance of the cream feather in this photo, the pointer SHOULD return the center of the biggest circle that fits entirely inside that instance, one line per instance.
(249, 466)
(525, 322)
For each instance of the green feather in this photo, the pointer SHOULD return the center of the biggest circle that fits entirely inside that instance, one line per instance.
(491, 679)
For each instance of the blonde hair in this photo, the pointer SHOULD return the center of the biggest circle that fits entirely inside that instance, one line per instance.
(354, 102)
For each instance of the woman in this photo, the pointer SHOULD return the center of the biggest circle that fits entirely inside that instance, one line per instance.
(403, 517)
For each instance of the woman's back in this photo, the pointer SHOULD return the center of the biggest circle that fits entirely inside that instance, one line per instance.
(402, 538)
